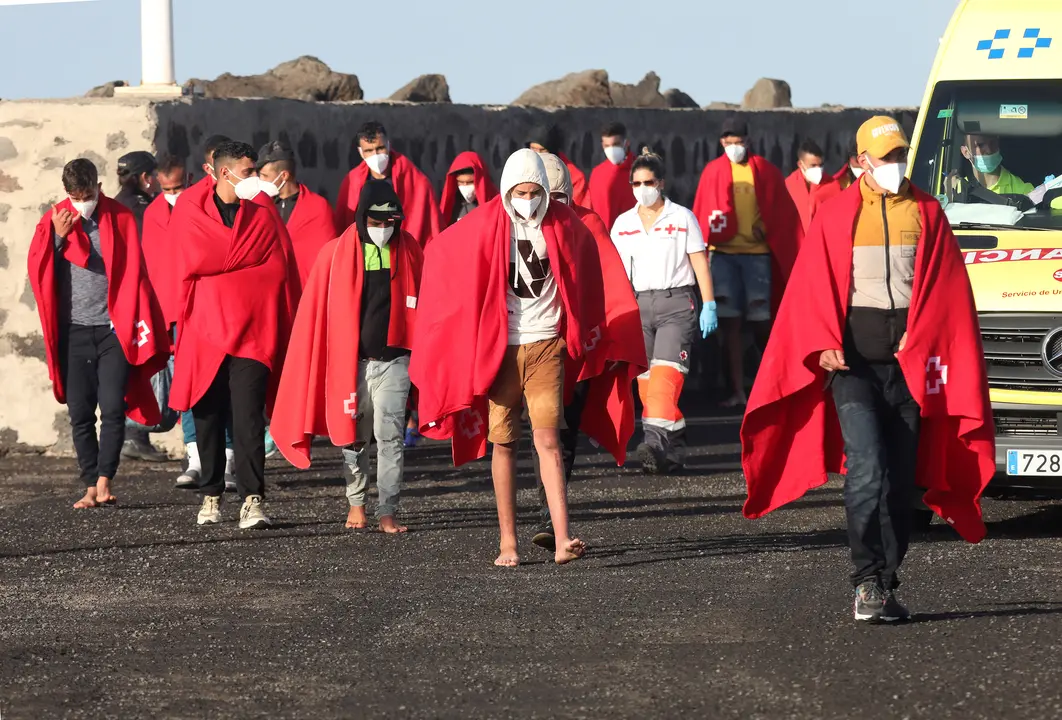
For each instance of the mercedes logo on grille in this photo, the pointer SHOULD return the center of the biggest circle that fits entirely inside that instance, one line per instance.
(1051, 352)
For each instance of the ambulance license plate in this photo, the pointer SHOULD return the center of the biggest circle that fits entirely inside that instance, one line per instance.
(1043, 463)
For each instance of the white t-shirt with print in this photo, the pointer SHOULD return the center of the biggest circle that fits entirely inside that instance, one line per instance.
(533, 299)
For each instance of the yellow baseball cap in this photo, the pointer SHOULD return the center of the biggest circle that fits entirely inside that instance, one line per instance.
(880, 135)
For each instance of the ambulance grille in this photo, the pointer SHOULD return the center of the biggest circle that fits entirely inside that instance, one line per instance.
(1013, 344)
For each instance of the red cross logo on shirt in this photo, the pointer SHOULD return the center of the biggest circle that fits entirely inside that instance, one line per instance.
(936, 376)
(670, 229)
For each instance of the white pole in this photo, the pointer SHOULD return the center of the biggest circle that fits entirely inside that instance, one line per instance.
(156, 42)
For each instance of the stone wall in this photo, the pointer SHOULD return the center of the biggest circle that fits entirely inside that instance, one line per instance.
(38, 137)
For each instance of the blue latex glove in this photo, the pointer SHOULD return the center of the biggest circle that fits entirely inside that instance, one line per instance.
(709, 320)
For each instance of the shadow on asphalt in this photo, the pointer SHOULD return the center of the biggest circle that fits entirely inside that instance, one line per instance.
(1007, 611)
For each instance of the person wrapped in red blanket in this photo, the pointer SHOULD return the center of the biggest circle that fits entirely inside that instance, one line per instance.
(346, 375)
(507, 293)
(810, 185)
(610, 182)
(882, 350)
(104, 334)
(753, 230)
(624, 333)
(309, 218)
(239, 291)
(466, 187)
(419, 206)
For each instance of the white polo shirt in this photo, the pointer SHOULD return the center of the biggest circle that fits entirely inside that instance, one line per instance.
(658, 259)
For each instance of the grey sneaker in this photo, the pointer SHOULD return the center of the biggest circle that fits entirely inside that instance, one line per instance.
(892, 610)
(135, 449)
(869, 601)
(210, 512)
(251, 515)
(189, 479)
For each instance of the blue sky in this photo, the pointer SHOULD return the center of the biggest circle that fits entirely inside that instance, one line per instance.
(713, 50)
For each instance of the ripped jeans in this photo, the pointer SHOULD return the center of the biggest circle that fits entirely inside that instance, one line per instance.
(383, 388)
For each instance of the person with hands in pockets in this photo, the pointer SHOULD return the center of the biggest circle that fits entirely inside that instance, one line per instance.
(664, 254)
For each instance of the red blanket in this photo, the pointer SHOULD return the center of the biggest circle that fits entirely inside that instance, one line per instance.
(791, 439)
(239, 291)
(311, 226)
(624, 354)
(486, 190)
(419, 209)
(462, 326)
(319, 385)
(808, 198)
(714, 209)
(610, 190)
(160, 256)
(131, 301)
(580, 192)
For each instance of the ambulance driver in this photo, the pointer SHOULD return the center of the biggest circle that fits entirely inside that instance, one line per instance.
(664, 255)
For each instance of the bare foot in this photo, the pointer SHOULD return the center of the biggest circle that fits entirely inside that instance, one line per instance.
(571, 550)
(103, 492)
(507, 558)
(88, 501)
(389, 526)
(356, 518)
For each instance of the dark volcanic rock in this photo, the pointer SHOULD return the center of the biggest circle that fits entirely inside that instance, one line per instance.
(675, 98)
(305, 78)
(106, 90)
(589, 88)
(425, 89)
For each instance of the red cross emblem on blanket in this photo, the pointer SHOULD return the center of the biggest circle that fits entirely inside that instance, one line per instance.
(470, 423)
(936, 376)
(717, 221)
(350, 405)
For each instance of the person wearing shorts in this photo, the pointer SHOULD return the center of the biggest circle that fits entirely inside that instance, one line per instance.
(663, 251)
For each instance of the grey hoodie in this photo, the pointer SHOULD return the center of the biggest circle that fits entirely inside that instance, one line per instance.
(533, 301)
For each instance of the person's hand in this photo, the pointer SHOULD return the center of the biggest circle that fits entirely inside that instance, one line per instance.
(709, 319)
(832, 360)
(63, 221)
(903, 342)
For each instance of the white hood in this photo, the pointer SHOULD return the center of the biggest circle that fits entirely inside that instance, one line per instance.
(524, 166)
(560, 180)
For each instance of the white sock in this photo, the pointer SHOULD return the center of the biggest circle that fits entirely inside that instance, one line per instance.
(230, 461)
(192, 451)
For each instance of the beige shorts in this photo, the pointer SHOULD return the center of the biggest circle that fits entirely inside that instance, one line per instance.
(533, 374)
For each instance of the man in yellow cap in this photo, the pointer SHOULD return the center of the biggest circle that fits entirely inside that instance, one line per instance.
(889, 328)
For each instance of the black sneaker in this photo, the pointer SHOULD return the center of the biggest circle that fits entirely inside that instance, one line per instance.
(649, 459)
(869, 601)
(136, 449)
(544, 537)
(892, 610)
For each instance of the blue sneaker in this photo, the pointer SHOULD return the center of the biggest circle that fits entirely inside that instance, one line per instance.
(271, 448)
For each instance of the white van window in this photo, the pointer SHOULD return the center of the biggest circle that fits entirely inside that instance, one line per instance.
(991, 152)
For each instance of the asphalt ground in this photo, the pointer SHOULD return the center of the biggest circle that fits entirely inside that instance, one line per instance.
(680, 609)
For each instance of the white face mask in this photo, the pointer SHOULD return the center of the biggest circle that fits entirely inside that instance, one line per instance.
(646, 196)
(378, 162)
(813, 175)
(890, 176)
(616, 154)
(468, 192)
(526, 208)
(248, 188)
(172, 198)
(563, 200)
(736, 153)
(857, 171)
(278, 187)
(86, 208)
(380, 236)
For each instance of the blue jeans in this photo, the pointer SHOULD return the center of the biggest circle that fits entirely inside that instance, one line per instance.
(880, 422)
(188, 426)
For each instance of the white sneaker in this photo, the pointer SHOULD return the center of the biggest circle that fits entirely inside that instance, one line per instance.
(251, 515)
(210, 512)
(189, 479)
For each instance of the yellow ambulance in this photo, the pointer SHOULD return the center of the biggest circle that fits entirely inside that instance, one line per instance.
(988, 144)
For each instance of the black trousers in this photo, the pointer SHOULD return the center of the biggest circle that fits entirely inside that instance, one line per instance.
(238, 391)
(94, 371)
(880, 422)
(569, 441)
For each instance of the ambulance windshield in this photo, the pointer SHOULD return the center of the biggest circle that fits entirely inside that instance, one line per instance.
(990, 152)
